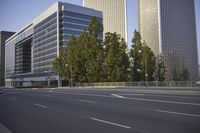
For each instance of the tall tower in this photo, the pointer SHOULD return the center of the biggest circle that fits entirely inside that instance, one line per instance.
(168, 27)
(114, 15)
(4, 35)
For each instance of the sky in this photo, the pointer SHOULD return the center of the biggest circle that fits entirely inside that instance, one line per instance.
(15, 14)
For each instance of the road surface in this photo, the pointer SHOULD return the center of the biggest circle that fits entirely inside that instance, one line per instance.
(98, 111)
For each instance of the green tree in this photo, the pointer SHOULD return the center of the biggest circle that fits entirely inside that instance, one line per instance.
(116, 58)
(60, 62)
(184, 76)
(136, 57)
(84, 56)
(142, 60)
(175, 76)
(148, 63)
(161, 71)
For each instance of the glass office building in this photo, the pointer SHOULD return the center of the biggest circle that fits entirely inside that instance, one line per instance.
(31, 51)
(114, 15)
(169, 28)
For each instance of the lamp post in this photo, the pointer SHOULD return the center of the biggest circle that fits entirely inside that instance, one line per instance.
(145, 63)
(70, 74)
(48, 82)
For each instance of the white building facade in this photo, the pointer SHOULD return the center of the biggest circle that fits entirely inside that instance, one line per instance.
(29, 53)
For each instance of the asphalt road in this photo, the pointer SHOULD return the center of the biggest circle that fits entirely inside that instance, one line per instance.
(98, 111)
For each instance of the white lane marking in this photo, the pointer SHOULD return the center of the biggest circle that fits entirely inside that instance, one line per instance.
(34, 88)
(162, 101)
(39, 105)
(14, 99)
(172, 96)
(178, 113)
(111, 123)
(50, 91)
(131, 94)
(115, 95)
(88, 101)
(138, 99)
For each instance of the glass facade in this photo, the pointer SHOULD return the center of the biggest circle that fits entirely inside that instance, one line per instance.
(73, 23)
(45, 44)
(10, 59)
(168, 27)
(23, 56)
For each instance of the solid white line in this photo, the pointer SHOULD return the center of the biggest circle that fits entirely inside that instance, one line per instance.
(173, 96)
(88, 101)
(115, 95)
(111, 123)
(131, 94)
(39, 105)
(139, 99)
(14, 99)
(162, 101)
(178, 113)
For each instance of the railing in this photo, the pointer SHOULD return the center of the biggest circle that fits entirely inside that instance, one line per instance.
(141, 84)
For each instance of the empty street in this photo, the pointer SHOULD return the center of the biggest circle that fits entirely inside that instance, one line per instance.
(100, 110)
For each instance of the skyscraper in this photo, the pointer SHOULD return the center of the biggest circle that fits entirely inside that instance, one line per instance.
(3, 36)
(114, 15)
(168, 27)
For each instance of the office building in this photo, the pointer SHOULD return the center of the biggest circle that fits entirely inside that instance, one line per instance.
(114, 15)
(31, 51)
(3, 36)
(168, 27)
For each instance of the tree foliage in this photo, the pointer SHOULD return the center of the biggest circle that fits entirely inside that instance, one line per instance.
(161, 71)
(136, 57)
(142, 60)
(181, 75)
(116, 58)
(90, 59)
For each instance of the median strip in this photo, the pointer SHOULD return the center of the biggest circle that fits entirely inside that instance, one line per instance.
(178, 113)
(111, 123)
(39, 105)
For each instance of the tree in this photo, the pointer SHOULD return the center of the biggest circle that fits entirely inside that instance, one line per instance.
(136, 57)
(148, 63)
(176, 76)
(83, 58)
(161, 71)
(142, 60)
(184, 76)
(59, 63)
(116, 58)
(181, 75)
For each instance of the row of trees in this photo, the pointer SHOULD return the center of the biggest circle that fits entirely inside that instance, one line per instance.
(90, 59)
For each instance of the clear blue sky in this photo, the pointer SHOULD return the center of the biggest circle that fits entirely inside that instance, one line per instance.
(15, 14)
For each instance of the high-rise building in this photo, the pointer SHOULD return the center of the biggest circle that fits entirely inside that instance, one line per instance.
(114, 15)
(31, 51)
(169, 27)
(3, 36)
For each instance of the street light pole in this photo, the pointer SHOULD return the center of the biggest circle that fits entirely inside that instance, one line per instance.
(70, 74)
(146, 74)
(48, 82)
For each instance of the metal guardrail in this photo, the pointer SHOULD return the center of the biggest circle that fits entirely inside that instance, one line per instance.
(142, 84)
